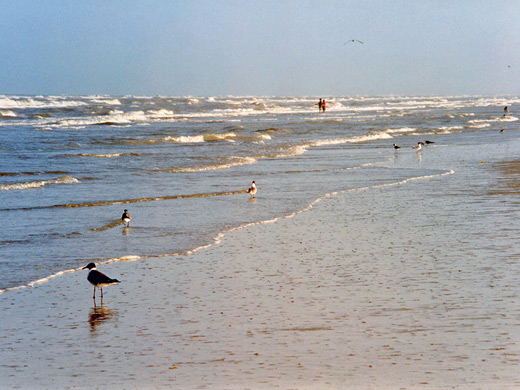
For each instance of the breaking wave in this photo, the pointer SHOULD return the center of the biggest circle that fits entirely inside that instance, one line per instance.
(233, 162)
(7, 114)
(107, 155)
(33, 102)
(185, 139)
(362, 138)
(38, 184)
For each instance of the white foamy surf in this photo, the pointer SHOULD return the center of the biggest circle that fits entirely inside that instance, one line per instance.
(38, 184)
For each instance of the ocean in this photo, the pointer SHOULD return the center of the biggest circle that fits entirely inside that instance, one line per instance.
(70, 165)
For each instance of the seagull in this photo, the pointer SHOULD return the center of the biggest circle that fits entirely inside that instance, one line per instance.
(353, 40)
(98, 279)
(396, 147)
(252, 190)
(125, 218)
(419, 146)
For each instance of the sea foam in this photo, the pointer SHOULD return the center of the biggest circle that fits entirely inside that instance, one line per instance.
(7, 114)
(38, 184)
(234, 161)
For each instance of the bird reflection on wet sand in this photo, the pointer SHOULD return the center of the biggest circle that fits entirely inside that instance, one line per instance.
(98, 315)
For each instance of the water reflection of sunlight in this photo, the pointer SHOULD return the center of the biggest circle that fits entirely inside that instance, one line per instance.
(98, 315)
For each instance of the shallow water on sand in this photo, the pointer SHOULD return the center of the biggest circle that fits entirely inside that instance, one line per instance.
(70, 165)
(406, 277)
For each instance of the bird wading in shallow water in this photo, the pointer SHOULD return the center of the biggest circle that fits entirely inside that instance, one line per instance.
(419, 146)
(396, 147)
(125, 218)
(252, 190)
(98, 279)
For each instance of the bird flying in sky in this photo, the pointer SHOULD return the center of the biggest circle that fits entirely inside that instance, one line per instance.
(353, 41)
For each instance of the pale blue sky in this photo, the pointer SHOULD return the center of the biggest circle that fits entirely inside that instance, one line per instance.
(208, 47)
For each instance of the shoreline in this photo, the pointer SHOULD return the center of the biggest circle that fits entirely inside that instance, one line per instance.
(217, 239)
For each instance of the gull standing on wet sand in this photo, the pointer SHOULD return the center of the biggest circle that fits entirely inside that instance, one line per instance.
(98, 279)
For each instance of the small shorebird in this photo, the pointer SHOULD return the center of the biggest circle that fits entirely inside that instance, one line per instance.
(98, 279)
(419, 146)
(125, 218)
(252, 190)
(396, 147)
(428, 142)
(353, 40)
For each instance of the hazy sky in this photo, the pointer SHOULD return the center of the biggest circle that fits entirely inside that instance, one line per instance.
(262, 47)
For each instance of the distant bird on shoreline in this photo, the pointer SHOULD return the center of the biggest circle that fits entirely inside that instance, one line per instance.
(429, 142)
(125, 218)
(252, 190)
(98, 279)
(353, 41)
(419, 146)
(396, 147)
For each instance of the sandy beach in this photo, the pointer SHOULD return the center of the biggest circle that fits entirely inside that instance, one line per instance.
(379, 250)
(370, 288)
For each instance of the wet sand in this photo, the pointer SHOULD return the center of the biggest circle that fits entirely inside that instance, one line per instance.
(412, 286)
